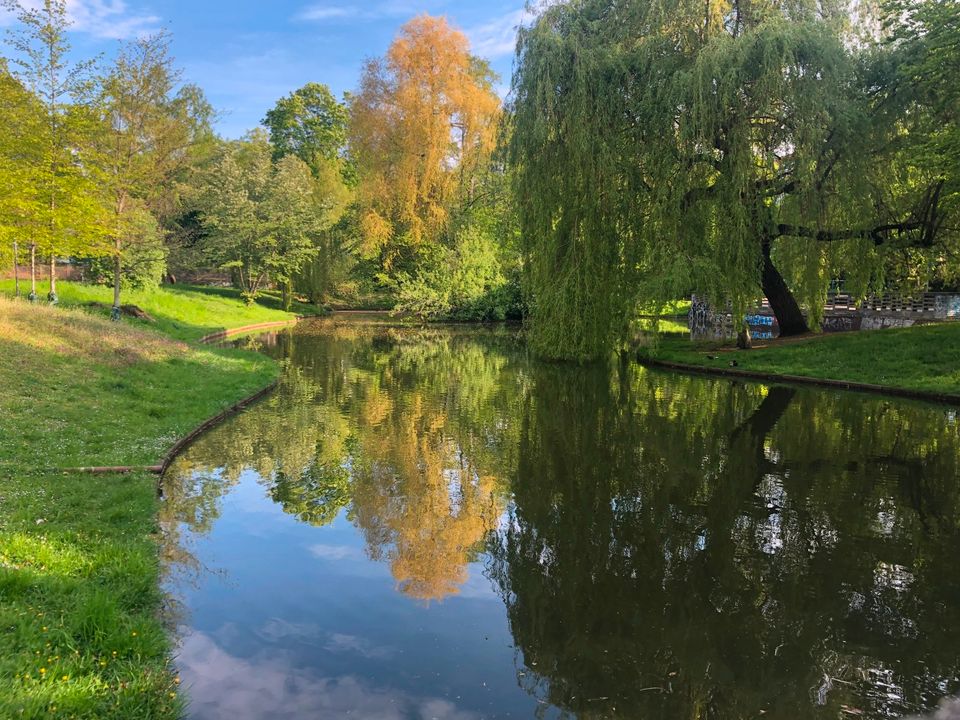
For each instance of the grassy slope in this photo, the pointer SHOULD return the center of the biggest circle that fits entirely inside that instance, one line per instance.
(79, 596)
(181, 311)
(919, 358)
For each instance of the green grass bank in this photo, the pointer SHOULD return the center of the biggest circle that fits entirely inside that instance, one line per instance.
(924, 358)
(185, 312)
(80, 628)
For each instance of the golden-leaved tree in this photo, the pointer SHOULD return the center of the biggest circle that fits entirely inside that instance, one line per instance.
(423, 126)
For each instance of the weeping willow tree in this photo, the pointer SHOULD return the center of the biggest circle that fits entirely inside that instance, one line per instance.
(734, 148)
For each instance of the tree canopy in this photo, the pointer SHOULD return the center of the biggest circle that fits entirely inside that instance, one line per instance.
(733, 149)
(422, 124)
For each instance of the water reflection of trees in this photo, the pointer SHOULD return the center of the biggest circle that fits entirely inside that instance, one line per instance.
(406, 430)
(677, 547)
(688, 548)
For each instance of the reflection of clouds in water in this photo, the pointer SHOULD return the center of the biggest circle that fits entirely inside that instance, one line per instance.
(342, 643)
(335, 552)
(277, 630)
(949, 709)
(231, 688)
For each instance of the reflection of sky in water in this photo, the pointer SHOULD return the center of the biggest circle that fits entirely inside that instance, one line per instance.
(303, 625)
(269, 684)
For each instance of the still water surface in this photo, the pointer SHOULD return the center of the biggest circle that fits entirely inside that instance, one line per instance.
(428, 524)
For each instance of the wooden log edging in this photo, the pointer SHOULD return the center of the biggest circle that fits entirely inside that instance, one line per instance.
(230, 332)
(188, 439)
(926, 395)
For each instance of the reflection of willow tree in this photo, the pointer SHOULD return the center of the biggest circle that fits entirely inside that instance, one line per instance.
(696, 549)
(409, 429)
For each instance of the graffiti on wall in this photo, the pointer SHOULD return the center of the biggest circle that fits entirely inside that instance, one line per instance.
(884, 322)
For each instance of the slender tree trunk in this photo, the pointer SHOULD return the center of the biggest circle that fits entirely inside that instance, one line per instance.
(115, 314)
(782, 302)
(16, 270)
(33, 272)
(286, 291)
(52, 295)
(117, 259)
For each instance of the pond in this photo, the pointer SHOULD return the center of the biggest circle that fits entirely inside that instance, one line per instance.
(427, 523)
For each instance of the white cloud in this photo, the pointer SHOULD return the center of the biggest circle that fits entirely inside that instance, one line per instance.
(320, 12)
(498, 38)
(107, 19)
(325, 12)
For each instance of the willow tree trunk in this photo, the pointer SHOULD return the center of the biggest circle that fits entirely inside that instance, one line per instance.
(782, 302)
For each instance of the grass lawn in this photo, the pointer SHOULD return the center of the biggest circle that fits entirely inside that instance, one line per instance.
(182, 311)
(80, 634)
(675, 308)
(925, 357)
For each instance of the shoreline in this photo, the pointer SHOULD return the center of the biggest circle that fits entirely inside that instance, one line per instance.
(86, 536)
(918, 362)
(231, 332)
(782, 378)
(161, 467)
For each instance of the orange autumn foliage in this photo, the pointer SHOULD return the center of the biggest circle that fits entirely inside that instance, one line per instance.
(424, 121)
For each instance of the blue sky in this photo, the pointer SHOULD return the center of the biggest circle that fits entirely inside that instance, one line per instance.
(247, 53)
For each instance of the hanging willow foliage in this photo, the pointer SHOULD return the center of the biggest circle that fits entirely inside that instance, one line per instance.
(569, 152)
(669, 146)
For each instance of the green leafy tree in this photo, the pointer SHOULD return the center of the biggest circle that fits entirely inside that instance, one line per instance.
(732, 148)
(311, 124)
(19, 148)
(295, 208)
(923, 60)
(69, 215)
(145, 145)
(260, 216)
